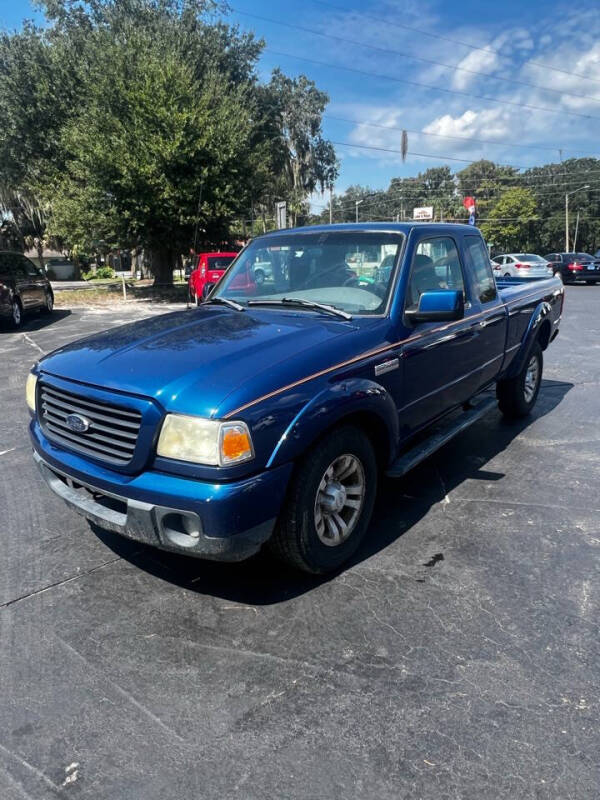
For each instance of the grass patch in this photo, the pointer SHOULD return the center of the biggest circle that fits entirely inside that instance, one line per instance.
(111, 294)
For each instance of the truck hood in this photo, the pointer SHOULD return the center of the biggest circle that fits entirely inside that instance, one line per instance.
(190, 361)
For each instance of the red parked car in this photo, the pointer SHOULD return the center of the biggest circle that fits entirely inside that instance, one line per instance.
(210, 268)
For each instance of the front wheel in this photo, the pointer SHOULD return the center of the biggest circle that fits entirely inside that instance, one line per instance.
(517, 396)
(48, 306)
(329, 503)
(16, 315)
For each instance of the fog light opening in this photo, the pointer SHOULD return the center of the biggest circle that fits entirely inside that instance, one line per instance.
(181, 528)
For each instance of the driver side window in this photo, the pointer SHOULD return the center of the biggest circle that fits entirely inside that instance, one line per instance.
(435, 265)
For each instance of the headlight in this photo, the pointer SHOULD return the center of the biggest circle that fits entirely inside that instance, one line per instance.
(204, 441)
(30, 391)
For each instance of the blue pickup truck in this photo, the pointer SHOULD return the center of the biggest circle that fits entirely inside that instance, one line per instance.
(267, 414)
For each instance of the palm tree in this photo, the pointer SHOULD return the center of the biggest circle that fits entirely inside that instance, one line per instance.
(26, 216)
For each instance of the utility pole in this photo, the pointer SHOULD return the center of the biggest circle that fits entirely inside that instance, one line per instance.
(575, 237)
(567, 195)
(566, 223)
(356, 205)
(330, 205)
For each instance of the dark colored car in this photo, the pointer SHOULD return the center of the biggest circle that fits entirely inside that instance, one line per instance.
(23, 287)
(575, 267)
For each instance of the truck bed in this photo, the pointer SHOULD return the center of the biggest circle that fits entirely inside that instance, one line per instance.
(512, 289)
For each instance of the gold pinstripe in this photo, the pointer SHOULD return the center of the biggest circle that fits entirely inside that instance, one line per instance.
(370, 354)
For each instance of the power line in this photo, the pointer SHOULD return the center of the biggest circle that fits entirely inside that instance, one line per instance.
(397, 53)
(418, 155)
(429, 86)
(387, 23)
(396, 196)
(272, 133)
(435, 156)
(496, 142)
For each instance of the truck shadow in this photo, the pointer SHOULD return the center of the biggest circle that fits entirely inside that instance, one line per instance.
(401, 503)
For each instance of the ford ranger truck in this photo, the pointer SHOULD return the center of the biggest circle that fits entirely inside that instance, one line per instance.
(266, 416)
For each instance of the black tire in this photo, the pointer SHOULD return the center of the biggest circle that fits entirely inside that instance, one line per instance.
(48, 307)
(296, 540)
(259, 277)
(507, 275)
(515, 397)
(590, 283)
(16, 314)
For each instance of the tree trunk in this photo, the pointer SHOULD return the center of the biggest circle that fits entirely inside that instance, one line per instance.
(40, 251)
(162, 262)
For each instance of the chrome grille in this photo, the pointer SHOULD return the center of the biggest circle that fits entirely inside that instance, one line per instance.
(112, 433)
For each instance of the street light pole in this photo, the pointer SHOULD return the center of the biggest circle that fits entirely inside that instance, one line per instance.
(567, 195)
(356, 204)
(566, 223)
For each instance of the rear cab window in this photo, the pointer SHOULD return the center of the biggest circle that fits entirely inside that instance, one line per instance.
(6, 267)
(219, 262)
(483, 278)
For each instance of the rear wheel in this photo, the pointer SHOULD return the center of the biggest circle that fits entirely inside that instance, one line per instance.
(507, 275)
(329, 503)
(517, 396)
(590, 283)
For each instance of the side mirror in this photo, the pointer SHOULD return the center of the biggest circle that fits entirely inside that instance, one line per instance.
(207, 289)
(441, 305)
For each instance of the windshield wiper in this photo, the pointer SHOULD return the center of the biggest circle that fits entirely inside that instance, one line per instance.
(297, 301)
(224, 301)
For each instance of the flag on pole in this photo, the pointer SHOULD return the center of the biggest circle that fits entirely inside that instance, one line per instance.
(469, 204)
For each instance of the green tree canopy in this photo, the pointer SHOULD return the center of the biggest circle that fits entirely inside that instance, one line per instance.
(510, 222)
(140, 122)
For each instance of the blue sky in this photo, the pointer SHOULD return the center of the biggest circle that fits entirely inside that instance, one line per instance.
(530, 52)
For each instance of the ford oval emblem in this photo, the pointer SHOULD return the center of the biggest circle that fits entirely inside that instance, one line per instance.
(77, 423)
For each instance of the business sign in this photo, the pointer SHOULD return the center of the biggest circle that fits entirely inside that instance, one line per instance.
(281, 214)
(423, 213)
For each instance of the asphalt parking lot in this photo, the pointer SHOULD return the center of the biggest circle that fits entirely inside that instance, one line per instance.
(457, 657)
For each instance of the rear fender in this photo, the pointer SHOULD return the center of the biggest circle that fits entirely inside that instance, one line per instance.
(542, 312)
(330, 406)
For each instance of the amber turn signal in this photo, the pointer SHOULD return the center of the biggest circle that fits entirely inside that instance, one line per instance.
(235, 443)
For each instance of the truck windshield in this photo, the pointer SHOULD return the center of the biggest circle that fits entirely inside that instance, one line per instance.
(352, 271)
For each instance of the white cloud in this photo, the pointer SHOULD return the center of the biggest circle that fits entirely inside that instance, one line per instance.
(494, 123)
(477, 61)
(568, 41)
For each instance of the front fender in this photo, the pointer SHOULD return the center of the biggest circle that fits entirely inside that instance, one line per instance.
(329, 407)
(542, 311)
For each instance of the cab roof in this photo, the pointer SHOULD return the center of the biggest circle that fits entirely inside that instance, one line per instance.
(373, 227)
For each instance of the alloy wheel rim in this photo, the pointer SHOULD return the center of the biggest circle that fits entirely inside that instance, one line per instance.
(531, 378)
(49, 302)
(339, 501)
(16, 313)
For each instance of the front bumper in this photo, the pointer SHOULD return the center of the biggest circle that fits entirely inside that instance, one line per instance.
(223, 522)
